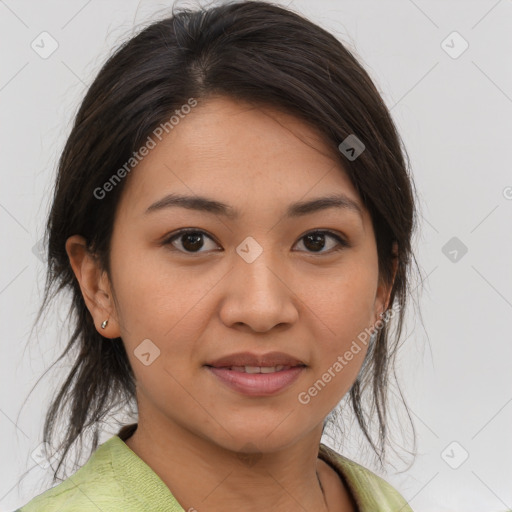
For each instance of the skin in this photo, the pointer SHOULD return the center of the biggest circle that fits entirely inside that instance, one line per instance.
(198, 306)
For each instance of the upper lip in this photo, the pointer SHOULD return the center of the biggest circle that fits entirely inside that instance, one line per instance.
(250, 359)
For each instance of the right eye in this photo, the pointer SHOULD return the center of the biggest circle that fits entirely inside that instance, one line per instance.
(191, 240)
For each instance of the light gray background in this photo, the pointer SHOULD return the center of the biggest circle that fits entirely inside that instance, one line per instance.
(455, 116)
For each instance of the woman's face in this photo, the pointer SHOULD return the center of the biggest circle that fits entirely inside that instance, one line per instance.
(251, 280)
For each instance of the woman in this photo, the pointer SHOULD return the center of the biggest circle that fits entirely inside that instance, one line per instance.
(233, 217)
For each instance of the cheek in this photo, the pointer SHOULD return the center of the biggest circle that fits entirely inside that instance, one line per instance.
(345, 301)
(342, 311)
(152, 296)
(165, 305)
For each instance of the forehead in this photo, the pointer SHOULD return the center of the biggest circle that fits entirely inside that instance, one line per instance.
(238, 153)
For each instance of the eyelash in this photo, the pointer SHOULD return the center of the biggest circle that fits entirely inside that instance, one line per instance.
(343, 244)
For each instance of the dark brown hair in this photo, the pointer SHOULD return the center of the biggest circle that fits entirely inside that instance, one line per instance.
(251, 51)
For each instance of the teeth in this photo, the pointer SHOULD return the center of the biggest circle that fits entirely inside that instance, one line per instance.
(259, 369)
(271, 369)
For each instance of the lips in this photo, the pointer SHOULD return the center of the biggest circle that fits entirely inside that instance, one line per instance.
(254, 361)
(257, 384)
(257, 375)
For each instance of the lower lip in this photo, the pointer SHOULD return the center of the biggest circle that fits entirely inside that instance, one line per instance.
(257, 384)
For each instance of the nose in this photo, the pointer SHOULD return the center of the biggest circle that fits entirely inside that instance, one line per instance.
(258, 294)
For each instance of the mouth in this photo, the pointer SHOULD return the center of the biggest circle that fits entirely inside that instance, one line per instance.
(256, 369)
(270, 361)
(257, 380)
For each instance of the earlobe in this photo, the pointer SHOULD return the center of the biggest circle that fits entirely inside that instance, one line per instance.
(94, 285)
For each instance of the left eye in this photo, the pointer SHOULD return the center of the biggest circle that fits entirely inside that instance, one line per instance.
(316, 239)
(191, 241)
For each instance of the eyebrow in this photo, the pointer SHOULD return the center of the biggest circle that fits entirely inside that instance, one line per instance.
(299, 209)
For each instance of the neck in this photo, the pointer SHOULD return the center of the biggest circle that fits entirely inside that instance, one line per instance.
(201, 474)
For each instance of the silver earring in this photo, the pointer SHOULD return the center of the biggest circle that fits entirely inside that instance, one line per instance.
(104, 324)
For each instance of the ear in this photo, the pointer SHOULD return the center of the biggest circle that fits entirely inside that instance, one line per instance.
(95, 286)
(384, 289)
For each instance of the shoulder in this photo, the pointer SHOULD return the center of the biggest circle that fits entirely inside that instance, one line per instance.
(370, 491)
(93, 487)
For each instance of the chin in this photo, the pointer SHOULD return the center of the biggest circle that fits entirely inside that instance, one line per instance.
(254, 442)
